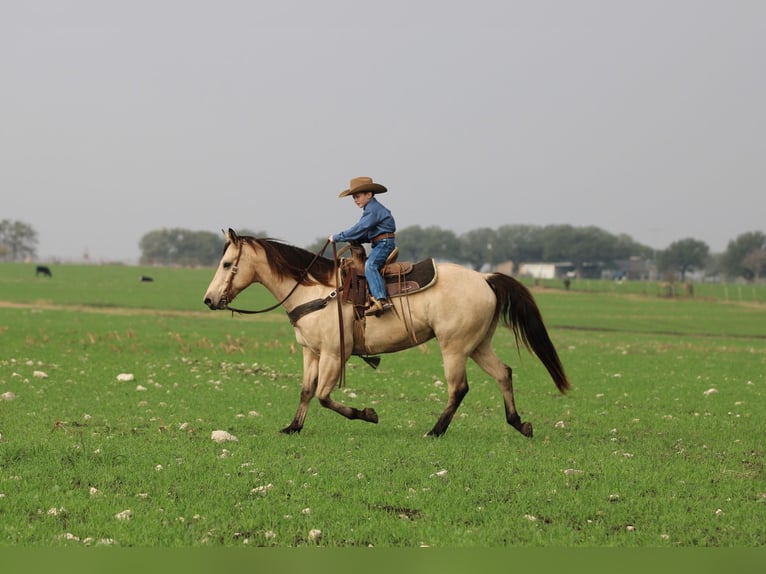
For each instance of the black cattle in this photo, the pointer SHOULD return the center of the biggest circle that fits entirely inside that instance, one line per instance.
(43, 270)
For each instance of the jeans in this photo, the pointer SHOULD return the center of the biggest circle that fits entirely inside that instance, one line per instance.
(375, 260)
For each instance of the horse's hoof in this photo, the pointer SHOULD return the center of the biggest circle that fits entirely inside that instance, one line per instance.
(291, 430)
(526, 429)
(370, 415)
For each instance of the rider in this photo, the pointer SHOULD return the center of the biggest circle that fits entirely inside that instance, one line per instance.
(376, 226)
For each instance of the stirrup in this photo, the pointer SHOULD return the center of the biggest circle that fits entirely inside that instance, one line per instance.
(377, 307)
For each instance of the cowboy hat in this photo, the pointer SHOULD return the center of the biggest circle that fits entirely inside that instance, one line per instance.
(362, 184)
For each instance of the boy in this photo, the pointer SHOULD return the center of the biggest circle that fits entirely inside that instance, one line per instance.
(377, 227)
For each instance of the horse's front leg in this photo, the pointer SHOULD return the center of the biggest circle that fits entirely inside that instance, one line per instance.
(308, 390)
(329, 373)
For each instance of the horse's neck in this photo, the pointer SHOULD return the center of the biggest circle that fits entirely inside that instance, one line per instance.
(281, 288)
(273, 284)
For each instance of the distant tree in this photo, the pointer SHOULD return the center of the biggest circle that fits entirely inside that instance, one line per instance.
(755, 263)
(576, 244)
(416, 243)
(683, 256)
(518, 243)
(626, 247)
(180, 247)
(738, 250)
(18, 240)
(477, 247)
(583, 245)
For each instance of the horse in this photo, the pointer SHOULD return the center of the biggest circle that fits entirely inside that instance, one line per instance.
(461, 310)
(43, 270)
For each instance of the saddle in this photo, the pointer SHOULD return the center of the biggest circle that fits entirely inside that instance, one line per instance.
(401, 278)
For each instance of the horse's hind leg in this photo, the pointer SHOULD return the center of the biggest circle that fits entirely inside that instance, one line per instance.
(511, 415)
(486, 358)
(457, 387)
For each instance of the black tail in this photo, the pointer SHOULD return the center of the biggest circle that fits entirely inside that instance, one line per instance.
(518, 310)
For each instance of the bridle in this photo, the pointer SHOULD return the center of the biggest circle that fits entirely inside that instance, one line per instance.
(235, 268)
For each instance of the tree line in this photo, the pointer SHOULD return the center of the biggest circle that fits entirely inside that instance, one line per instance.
(745, 255)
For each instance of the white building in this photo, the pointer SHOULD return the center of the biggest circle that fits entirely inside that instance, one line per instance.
(545, 270)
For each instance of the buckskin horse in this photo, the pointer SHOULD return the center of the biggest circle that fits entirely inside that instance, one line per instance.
(461, 309)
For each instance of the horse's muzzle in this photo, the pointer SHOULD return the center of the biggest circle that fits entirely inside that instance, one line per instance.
(221, 304)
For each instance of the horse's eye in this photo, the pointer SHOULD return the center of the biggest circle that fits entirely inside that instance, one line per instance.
(227, 264)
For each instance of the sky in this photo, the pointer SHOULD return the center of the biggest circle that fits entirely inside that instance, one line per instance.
(644, 118)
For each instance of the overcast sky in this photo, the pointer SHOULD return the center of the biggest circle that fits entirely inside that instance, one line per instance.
(640, 117)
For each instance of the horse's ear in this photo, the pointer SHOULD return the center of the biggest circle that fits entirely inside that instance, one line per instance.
(231, 235)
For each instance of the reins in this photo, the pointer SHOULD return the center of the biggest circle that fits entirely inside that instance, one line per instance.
(336, 270)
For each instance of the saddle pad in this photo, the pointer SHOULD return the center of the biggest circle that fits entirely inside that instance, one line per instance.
(417, 276)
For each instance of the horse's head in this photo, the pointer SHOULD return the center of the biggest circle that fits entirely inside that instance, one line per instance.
(226, 283)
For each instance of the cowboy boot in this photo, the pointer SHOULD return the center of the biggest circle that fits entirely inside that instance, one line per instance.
(374, 308)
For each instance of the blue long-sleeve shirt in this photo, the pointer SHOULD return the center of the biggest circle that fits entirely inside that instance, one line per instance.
(376, 219)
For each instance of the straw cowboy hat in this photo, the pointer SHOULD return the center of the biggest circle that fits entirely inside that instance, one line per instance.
(362, 184)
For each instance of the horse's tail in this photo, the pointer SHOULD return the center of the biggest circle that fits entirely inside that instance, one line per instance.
(518, 310)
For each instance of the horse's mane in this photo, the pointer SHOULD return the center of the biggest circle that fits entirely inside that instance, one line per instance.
(289, 261)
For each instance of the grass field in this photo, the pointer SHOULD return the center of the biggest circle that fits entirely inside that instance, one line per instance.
(660, 443)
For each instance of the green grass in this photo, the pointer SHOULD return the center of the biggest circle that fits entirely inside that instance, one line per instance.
(727, 292)
(618, 313)
(638, 454)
